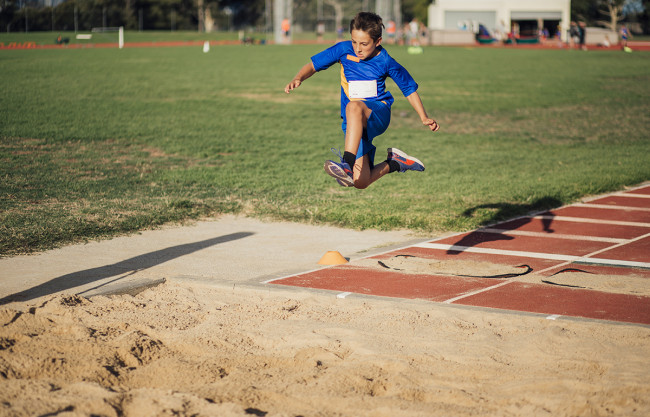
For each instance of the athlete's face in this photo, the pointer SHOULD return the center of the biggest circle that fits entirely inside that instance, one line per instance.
(364, 46)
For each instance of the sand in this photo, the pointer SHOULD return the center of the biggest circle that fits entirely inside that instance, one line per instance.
(570, 277)
(193, 350)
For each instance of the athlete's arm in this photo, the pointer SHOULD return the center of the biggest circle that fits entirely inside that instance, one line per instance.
(304, 73)
(414, 99)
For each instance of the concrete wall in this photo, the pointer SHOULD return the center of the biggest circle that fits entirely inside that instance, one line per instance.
(502, 9)
(451, 37)
(597, 36)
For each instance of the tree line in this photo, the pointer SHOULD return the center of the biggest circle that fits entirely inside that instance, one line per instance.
(202, 15)
(83, 15)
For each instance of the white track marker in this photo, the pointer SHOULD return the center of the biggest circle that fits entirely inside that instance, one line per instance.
(555, 235)
(595, 221)
(634, 195)
(606, 206)
(469, 294)
(537, 255)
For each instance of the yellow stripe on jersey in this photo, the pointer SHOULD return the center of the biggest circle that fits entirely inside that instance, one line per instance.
(344, 81)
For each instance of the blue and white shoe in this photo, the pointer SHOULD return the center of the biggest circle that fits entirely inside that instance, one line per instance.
(341, 171)
(406, 163)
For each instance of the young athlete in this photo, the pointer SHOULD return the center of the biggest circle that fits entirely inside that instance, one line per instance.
(365, 102)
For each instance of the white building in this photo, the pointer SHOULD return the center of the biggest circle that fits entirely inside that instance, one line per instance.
(498, 16)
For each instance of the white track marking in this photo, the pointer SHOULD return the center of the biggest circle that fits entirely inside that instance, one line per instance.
(469, 294)
(539, 255)
(594, 221)
(607, 206)
(566, 258)
(555, 235)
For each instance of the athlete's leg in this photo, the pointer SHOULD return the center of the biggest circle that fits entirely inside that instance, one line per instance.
(364, 175)
(357, 114)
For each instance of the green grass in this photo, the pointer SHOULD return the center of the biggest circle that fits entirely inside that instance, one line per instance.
(99, 142)
(48, 37)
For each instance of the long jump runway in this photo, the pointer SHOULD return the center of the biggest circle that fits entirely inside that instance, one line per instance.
(589, 260)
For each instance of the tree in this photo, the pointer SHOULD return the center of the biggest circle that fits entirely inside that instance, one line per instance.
(338, 12)
(416, 9)
(200, 6)
(613, 9)
(644, 17)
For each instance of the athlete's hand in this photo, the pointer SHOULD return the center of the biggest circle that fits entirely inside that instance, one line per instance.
(295, 83)
(432, 124)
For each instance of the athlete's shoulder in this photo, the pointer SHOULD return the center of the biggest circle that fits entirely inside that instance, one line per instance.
(331, 55)
(344, 47)
(385, 56)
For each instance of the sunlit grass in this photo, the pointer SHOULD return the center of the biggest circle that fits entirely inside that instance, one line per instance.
(97, 142)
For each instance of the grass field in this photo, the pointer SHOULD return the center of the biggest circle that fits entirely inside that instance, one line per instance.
(99, 142)
(48, 38)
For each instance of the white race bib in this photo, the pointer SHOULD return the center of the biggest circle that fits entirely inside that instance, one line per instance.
(362, 89)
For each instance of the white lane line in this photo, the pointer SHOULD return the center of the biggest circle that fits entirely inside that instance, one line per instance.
(594, 221)
(606, 206)
(554, 235)
(538, 255)
(469, 294)
(619, 245)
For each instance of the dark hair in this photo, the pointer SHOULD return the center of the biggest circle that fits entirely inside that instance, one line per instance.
(369, 23)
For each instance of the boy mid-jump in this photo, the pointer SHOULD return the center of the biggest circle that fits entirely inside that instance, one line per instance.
(365, 102)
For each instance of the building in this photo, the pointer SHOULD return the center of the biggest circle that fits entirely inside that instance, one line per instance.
(499, 17)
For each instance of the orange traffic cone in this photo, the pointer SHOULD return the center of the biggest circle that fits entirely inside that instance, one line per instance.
(332, 258)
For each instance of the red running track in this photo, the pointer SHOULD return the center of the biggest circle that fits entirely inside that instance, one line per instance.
(609, 235)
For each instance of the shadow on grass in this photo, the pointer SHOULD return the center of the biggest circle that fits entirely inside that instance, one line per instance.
(504, 212)
(120, 270)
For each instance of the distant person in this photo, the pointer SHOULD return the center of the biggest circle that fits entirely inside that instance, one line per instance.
(558, 33)
(61, 40)
(424, 34)
(625, 34)
(286, 29)
(320, 30)
(582, 33)
(413, 33)
(365, 102)
(391, 31)
(606, 43)
(574, 35)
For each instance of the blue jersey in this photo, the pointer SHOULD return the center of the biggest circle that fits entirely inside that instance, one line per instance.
(364, 79)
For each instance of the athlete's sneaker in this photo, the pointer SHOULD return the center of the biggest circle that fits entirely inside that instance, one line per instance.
(406, 163)
(341, 171)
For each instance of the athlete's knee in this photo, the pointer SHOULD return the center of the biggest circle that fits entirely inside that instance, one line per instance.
(355, 108)
(361, 183)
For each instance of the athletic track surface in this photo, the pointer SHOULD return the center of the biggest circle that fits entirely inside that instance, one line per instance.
(609, 235)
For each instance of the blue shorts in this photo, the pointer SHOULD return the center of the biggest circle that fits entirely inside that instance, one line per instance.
(377, 124)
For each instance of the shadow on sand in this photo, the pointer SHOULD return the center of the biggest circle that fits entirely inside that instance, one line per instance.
(120, 270)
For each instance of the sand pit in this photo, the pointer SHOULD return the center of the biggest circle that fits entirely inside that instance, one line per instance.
(189, 350)
(462, 268)
(568, 277)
